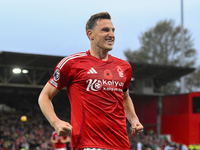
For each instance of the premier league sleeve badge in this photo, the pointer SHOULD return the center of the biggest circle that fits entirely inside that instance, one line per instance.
(57, 75)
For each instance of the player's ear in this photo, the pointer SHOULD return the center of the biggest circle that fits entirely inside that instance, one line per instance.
(90, 34)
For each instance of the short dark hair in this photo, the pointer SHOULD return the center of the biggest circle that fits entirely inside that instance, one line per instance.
(93, 19)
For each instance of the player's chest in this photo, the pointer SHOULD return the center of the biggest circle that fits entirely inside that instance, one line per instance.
(106, 77)
(58, 137)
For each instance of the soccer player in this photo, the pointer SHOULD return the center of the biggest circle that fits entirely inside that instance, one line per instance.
(59, 142)
(97, 85)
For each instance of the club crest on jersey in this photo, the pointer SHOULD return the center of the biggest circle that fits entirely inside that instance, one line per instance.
(57, 75)
(120, 72)
(108, 74)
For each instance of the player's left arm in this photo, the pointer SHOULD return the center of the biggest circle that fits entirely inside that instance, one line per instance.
(53, 140)
(130, 113)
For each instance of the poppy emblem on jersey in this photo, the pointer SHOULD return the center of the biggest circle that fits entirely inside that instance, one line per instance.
(57, 75)
(120, 71)
(108, 74)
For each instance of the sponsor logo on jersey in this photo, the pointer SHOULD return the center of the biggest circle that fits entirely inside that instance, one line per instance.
(108, 74)
(92, 71)
(57, 75)
(95, 85)
(120, 71)
(108, 85)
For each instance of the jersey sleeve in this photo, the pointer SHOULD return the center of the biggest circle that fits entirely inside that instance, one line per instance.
(62, 74)
(128, 77)
(53, 135)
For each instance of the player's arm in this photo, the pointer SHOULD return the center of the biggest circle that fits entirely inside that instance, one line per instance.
(53, 140)
(130, 113)
(45, 102)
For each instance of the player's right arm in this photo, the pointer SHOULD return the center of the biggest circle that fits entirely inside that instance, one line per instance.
(45, 102)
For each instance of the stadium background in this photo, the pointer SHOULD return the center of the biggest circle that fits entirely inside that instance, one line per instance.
(20, 92)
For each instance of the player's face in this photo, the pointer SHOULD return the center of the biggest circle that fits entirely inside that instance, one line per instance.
(103, 33)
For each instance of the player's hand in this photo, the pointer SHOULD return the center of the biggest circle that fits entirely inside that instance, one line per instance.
(137, 128)
(62, 128)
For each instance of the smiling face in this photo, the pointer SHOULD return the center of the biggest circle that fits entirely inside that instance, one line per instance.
(102, 35)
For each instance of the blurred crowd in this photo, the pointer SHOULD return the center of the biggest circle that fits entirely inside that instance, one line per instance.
(150, 141)
(33, 134)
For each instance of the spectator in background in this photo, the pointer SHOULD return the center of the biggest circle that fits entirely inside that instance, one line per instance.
(183, 147)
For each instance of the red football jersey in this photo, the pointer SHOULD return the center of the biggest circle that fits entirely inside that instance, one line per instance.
(55, 136)
(95, 89)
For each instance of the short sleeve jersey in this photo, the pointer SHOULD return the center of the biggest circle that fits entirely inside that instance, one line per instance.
(59, 144)
(95, 90)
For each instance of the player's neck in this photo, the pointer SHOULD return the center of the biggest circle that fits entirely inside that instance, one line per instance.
(100, 54)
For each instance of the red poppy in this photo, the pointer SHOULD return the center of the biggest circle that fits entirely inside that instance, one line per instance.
(108, 74)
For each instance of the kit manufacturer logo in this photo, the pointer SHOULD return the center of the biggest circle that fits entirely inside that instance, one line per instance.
(92, 71)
